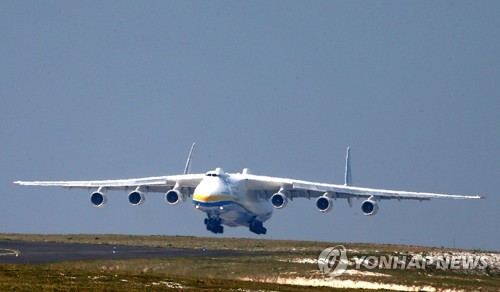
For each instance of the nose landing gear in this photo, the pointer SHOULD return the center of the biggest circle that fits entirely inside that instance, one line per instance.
(214, 225)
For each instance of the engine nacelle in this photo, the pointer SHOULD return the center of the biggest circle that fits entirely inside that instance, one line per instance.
(324, 204)
(369, 207)
(279, 200)
(174, 197)
(136, 198)
(98, 199)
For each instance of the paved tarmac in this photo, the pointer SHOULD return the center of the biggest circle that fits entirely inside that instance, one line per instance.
(24, 252)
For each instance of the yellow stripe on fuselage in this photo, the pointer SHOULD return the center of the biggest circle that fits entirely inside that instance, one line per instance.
(219, 198)
(213, 198)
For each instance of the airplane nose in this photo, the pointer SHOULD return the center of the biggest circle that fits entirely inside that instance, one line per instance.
(211, 189)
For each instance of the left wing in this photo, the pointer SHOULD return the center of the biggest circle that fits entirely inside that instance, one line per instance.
(280, 190)
(299, 188)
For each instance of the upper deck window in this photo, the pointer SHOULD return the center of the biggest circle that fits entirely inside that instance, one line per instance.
(218, 172)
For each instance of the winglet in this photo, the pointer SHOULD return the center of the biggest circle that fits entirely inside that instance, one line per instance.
(348, 178)
(188, 162)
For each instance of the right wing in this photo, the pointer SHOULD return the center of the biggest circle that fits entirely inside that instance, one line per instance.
(185, 183)
(159, 184)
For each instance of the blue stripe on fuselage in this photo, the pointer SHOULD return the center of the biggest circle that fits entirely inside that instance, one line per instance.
(228, 203)
(221, 204)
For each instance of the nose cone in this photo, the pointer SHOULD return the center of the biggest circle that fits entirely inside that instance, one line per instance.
(212, 188)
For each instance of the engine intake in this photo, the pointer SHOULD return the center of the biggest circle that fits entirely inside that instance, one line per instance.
(369, 207)
(136, 198)
(174, 197)
(324, 204)
(98, 199)
(279, 200)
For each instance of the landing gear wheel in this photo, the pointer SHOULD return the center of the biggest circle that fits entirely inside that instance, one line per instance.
(257, 227)
(214, 225)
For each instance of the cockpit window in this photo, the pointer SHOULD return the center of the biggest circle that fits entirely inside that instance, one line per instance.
(212, 174)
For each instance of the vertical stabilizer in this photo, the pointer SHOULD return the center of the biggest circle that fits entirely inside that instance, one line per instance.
(188, 162)
(348, 178)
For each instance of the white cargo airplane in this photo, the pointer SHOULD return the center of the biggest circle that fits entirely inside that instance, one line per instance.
(240, 199)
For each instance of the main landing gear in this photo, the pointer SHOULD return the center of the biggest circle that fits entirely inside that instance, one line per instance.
(213, 224)
(257, 227)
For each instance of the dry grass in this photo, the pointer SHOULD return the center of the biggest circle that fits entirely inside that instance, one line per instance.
(219, 273)
(192, 242)
(41, 277)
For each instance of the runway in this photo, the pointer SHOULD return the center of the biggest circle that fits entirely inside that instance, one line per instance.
(24, 252)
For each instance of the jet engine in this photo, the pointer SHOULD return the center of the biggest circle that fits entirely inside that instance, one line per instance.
(369, 207)
(324, 204)
(279, 200)
(136, 198)
(174, 197)
(98, 199)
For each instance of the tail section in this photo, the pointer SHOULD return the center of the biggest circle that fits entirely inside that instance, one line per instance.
(188, 162)
(348, 177)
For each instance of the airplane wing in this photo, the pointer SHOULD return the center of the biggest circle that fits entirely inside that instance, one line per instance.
(305, 189)
(158, 184)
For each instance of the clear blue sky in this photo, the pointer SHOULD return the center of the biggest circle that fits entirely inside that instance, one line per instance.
(120, 89)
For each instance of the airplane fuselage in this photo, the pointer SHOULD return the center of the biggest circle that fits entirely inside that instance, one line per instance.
(226, 200)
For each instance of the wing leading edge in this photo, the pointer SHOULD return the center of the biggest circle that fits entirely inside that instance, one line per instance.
(298, 188)
(151, 184)
(291, 188)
